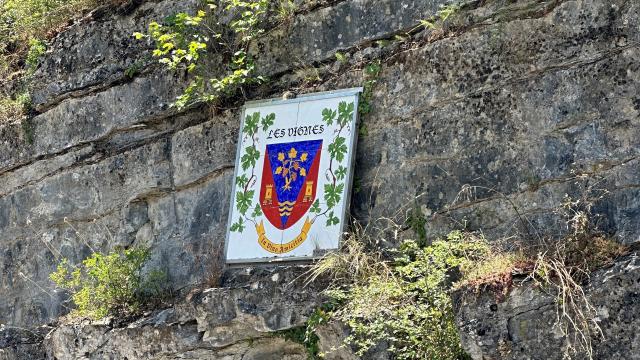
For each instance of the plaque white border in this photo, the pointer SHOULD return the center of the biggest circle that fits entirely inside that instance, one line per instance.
(348, 179)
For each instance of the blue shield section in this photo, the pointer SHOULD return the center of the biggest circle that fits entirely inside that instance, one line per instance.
(290, 164)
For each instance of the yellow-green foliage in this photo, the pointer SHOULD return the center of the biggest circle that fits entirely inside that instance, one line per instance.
(111, 284)
(408, 306)
(24, 24)
(182, 39)
(26, 19)
(10, 109)
(494, 265)
(21, 21)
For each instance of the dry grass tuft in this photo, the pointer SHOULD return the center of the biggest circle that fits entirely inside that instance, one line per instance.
(354, 263)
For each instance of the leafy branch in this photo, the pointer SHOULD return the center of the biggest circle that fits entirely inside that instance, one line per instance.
(182, 40)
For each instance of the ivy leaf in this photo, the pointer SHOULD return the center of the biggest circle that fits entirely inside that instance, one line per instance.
(251, 124)
(338, 148)
(333, 194)
(268, 121)
(242, 180)
(332, 219)
(345, 112)
(315, 208)
(238, 226)
(243, 201)
(250, 157)
(328, 116)
(257, 211)
(341, 172)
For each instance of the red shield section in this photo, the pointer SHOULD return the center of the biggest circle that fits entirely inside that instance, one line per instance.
(289, 181)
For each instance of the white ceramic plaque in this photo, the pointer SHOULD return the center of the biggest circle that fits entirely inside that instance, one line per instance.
(293, 177)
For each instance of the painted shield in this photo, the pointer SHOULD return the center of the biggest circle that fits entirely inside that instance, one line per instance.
(289, 180)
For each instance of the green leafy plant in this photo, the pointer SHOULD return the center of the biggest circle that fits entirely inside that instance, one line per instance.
(24, 27)
(371, 74)
(306, 335)
(308, 75)
(405, 302)
(182, 39)
(109, 284)
(36, 49)
(437, 21)
(286, 9)
(417, 221)
(133, 69)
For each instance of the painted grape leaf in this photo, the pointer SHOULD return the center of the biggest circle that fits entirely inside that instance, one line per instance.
(257, 211)
(328, 115)
(341, 172)
(332, 194)
(315, 208)
(267, 121)
(242, 180)
(238, 226)
(345, 112)
(251, 124)
(338, 149)
(243, 201)
(250, 157)
(332, 219)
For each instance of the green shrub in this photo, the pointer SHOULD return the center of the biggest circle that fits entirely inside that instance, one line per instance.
(182, 40)
(36, 49)
(112, 284)
(24, 24)
(408, 305)
(306, 335)
(26, 19)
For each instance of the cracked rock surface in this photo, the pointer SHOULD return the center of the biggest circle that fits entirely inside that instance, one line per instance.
(486, 123)
(523, 325)
(240, 320)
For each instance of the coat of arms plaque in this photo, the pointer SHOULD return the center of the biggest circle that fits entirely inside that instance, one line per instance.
(293, 177)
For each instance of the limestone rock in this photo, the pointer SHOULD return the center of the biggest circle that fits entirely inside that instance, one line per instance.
(484, 124)
(524, 325)
(238, 321)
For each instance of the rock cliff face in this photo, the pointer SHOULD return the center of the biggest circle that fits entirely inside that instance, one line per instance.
(522, 325)
(485, 123)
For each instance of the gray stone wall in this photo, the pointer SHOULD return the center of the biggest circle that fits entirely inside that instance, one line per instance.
(524, 324)
(513, 102)
(107, 162)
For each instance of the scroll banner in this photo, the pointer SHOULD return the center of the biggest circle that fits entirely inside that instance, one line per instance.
(274, 248)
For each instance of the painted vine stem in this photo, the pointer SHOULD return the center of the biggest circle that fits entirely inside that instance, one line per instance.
(337, 152)
(244, 197)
